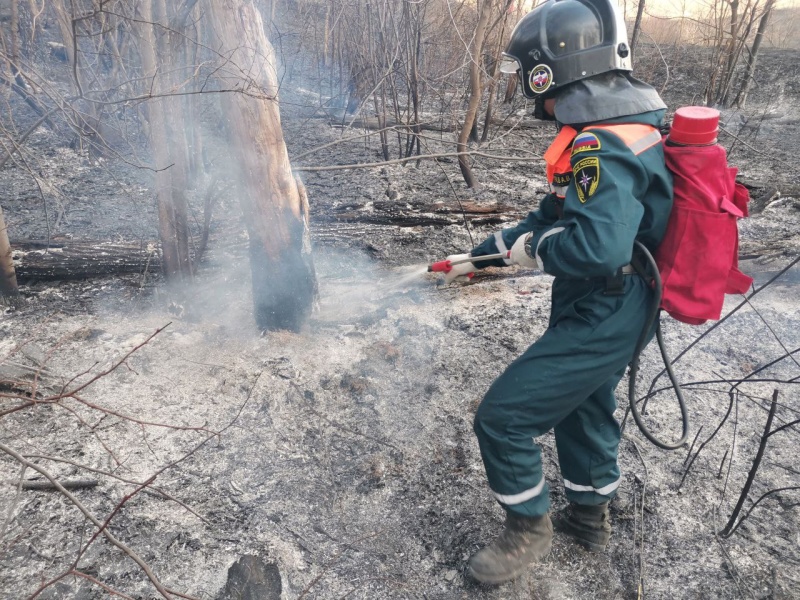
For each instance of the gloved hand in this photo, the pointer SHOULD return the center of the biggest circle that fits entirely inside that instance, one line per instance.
(461, 270)
(520, 256)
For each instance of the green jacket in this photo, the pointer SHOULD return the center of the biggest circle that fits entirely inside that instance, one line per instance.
(618, 194)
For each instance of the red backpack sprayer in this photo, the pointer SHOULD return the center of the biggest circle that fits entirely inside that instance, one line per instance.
(697, 262)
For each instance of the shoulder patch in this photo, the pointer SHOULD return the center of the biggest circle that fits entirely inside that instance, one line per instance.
(587, 177)
(585, 142)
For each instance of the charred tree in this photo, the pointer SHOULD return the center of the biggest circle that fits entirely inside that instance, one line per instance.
(8, 277)
(752, 55)
(733, 25)
(501, 41)
(476, 90)
(165, 132)
(284, 283)
(637, 26)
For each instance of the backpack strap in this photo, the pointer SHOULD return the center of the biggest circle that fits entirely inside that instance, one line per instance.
(562, 141)
(559, 169)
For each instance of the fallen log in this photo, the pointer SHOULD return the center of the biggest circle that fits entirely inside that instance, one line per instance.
(416, 214)
(762, 193)
(82, 259)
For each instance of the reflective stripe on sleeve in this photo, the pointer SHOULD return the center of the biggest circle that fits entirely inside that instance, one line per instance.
(501, 245)
(560, 191)
(538, 258)
(638, 137)
(648, 141)
(522, 496)
(603, 491)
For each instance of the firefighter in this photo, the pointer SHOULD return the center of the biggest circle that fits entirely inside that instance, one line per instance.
(608, 187)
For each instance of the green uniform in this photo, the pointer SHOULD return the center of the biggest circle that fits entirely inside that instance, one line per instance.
(620, 191)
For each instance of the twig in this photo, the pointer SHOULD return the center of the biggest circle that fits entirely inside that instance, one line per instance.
(126, 549)
(397, 161)
(335, 559)
(13, 504)
(764, 496)
(754, 149)
(94, 433)
(99, 583)
(729, 528)
(67, 484)
(722, 320)
(103, 527)
(694, 441)
(722, 464)
(711, 437)
(153, 489)
(733, 450)
(640, 586)
(782, 427)
(773, 332)
(18, 144)
(734, 571)
(115, 366)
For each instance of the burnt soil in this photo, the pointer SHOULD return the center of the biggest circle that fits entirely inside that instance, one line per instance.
(346, 461)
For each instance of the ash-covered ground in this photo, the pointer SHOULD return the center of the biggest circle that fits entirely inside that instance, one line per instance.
(342, 457)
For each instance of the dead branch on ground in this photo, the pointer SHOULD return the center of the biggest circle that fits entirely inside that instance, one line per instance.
(70, 390)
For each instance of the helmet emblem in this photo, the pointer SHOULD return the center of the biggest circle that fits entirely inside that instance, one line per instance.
(540, 78)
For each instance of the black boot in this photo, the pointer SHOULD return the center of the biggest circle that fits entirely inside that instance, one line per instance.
(587, 525)
(523, 541)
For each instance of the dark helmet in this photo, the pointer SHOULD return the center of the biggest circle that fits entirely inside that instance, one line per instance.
(562, 41)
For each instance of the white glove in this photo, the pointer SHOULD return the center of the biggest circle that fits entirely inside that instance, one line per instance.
(464, 269)
(520, 256)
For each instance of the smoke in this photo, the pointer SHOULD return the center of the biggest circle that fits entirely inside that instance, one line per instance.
(354, 288)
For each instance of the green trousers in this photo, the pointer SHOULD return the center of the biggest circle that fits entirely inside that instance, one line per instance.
(565, 381)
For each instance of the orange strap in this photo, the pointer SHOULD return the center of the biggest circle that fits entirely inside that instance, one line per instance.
(562, 142)
(557, 155)
(637, 137)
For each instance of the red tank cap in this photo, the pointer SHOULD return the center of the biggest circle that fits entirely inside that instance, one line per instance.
(694, 126)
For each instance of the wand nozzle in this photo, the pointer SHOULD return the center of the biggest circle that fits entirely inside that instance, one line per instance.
(445, 266)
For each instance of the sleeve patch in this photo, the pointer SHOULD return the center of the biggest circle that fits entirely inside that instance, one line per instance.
(585, 142)
(587, 177)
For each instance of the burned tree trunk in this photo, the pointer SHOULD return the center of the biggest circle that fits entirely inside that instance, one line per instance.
(165, 129)
(284, 283)
(8, 277)
(752, 56)
(476, 91)
(637, 26)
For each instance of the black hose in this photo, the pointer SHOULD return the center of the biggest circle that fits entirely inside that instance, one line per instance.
(653, 318)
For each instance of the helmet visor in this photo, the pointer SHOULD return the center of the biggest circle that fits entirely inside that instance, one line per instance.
(509, 64)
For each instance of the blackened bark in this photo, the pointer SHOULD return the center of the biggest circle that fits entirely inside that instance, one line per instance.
(8, 277)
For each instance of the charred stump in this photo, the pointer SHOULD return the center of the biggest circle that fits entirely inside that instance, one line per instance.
(273, 202)
(8, 277)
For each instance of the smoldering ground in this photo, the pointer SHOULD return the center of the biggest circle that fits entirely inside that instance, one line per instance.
(348, 461)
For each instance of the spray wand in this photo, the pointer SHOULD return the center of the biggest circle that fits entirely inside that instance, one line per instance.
(445, 266)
